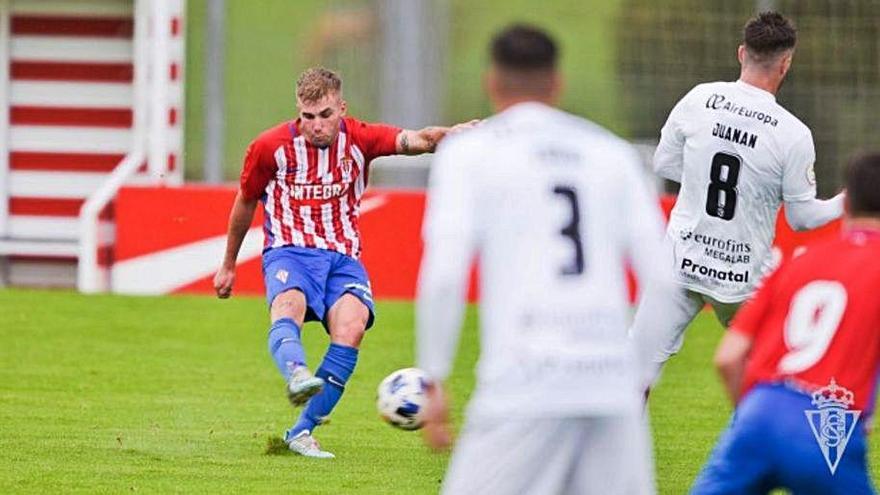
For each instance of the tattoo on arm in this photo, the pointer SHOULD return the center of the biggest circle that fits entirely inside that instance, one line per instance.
(404, 142)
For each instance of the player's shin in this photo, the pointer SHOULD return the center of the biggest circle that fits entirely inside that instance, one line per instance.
(337, 367)
(285, 346)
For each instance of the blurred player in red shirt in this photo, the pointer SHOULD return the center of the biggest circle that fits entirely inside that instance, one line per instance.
(801, 361)
(310, 174)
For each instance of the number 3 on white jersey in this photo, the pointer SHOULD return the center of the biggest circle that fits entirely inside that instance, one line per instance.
(813, 319)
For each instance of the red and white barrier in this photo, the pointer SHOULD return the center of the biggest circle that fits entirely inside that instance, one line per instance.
(69, 111)
(81, 88)
(171, 240)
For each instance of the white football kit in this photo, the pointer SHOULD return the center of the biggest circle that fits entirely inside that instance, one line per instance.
(554, 207)
(738, 156)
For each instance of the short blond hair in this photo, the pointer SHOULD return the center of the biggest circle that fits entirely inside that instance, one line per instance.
(316, 83)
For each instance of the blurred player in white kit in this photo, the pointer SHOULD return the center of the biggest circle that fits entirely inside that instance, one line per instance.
(738, 156)
(555, 207)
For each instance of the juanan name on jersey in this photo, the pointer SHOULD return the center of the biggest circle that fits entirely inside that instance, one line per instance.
(739, 136)
(706, 271)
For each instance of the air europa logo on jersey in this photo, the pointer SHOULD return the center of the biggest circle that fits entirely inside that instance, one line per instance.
(722, 275)
(720, 102)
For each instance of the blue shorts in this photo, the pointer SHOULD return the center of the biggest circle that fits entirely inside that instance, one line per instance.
(770, 444)
(323, 276)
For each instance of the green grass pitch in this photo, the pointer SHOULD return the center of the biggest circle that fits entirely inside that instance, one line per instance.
(177, 394)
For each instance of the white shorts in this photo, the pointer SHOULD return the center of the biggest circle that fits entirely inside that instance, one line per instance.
(588, 455)
(660, 321)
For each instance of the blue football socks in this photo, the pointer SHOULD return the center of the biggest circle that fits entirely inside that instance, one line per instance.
(337, 367)
(286, 347)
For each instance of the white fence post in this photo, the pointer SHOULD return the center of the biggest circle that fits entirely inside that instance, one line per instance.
(160, 32)
(90, 277)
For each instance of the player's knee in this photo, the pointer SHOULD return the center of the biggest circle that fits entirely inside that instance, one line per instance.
(350, 328)
(289, 304)
(350, 335)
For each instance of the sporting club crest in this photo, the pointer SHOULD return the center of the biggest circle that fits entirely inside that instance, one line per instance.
(832, 421)
(346, 164)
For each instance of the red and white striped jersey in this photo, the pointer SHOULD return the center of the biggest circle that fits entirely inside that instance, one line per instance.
(311, 195)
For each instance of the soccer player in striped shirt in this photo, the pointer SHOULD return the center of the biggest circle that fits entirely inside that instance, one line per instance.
(310, 174)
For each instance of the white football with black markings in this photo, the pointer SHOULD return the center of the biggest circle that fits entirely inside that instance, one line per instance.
(401, 398)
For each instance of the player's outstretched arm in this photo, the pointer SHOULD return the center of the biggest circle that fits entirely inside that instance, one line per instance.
(425, 140)
(239, 222)
(813, 213)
